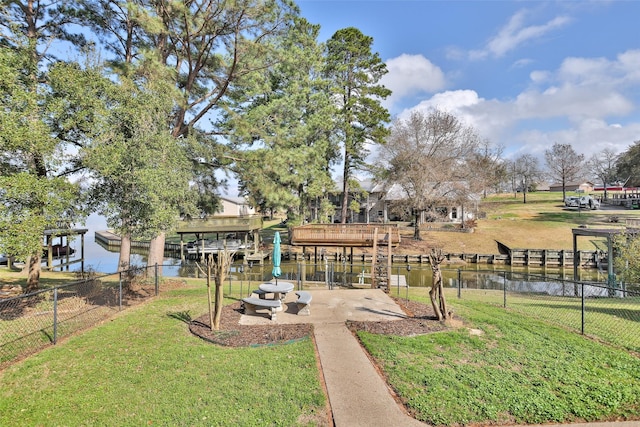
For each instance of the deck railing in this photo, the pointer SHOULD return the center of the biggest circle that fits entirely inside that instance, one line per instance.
(344, 235)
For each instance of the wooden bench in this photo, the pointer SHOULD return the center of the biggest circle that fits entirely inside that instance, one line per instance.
(303, 302)
(251, 304)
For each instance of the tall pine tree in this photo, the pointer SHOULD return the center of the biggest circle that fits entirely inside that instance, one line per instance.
(355, 71)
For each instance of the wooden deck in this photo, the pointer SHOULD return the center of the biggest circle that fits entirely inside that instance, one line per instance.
(345, 235)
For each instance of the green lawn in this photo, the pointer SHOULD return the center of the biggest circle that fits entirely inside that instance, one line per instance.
(518, 370)
(612, 320)
(144, 367)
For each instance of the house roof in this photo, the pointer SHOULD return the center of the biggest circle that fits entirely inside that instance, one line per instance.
(236, 200)
(396, 192)
(571, 184)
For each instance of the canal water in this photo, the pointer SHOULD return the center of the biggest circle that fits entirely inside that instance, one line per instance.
(476, 276)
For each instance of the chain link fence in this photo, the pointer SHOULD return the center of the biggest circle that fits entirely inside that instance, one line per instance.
(610, 314)
(594, 309)
(32, 321)
(607, 313)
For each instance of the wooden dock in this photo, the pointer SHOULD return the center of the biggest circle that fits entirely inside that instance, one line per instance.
(517, 258)
(112, 241)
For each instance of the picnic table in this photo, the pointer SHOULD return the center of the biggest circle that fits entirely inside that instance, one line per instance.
(279, 290)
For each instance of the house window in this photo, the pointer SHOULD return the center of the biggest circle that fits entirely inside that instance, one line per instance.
(380, 213)
(454, 213)
(442, 211)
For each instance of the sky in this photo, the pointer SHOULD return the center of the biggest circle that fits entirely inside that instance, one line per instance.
(524, 74)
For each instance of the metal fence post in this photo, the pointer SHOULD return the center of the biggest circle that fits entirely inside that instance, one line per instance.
(55, 315)
(407, 288)
(344, 272)
(331, 273)
(582, 310)
(459, 283)
(504, 289)
(156, 278)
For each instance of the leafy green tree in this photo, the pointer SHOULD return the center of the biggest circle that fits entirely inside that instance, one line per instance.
(283, 136)
(354, 72)
(627, 258)
(211, 46)
(628, 164)
(140, 175)
(564, 164)
(34, 193)
(33, 197)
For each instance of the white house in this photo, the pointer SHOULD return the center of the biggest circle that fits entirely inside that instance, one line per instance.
(378, 199)
(234, 206)
(578, 186)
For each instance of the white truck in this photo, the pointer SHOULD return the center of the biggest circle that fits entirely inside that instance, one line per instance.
(587, 202)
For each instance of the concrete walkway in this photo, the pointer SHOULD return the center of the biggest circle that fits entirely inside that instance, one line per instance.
(358, 395)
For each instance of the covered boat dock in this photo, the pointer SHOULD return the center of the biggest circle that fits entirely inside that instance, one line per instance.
(64, 235)
(221, 226)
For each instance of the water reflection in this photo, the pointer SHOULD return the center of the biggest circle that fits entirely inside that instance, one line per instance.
(552, 281)
(472, 276)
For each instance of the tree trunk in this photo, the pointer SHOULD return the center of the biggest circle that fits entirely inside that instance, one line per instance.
(436, 293)
(416, 227)
(124, 261)
(219, 297)
(33, 279)
(443, 302)
(433, 293)
(156, 253)
(345, 198)
(221, 268)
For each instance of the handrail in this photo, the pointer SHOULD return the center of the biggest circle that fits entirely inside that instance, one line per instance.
(344, 235)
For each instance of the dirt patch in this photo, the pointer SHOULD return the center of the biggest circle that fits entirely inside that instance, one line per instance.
(232, 334)
(421, 320)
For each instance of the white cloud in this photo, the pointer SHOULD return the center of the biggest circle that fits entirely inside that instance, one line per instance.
(588, 137)
(521, 63)
(625, 69)
(464, 104)
(451, 101)
(572, 102)
(539, 76)
(586, 102)
(411, 75)
(515, 33)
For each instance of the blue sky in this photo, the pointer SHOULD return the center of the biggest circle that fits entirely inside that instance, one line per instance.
(525, 74)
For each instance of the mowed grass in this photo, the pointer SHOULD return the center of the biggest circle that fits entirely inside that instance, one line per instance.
(541, 223)
(144, 367)
(48, 279)
(610, 320)
(511, 369)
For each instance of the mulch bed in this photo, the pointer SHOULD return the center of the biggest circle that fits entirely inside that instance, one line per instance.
(421, 320)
